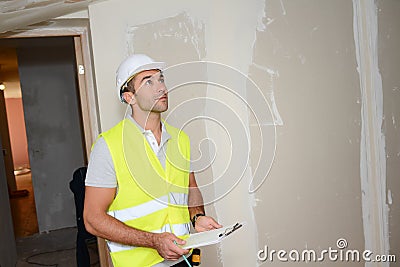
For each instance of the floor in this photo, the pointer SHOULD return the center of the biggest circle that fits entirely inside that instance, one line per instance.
(55, 248)
(23, 208)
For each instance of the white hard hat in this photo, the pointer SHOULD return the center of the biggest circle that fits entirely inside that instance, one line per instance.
(131, 66)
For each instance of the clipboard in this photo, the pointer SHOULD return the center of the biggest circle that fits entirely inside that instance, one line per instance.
(211, 237)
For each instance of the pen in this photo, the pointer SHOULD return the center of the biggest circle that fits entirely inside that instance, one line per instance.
(184, 257)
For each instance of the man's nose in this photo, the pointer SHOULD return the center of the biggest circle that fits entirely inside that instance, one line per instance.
(162, 88)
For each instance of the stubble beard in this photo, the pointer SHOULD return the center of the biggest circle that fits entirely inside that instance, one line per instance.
(160, 107)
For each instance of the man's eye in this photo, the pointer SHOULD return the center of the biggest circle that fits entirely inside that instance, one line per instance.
(162, 80)
(149, 82)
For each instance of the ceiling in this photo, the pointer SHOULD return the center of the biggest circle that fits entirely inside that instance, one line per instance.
(16, 14)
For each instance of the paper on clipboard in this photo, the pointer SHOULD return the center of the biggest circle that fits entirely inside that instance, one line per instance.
(211, 237)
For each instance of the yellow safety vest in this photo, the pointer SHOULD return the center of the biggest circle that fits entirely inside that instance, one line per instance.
(149, 198)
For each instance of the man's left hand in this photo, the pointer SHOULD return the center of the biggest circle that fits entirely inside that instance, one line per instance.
(206, 223)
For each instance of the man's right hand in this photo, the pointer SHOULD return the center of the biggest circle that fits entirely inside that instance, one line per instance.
(165, 246)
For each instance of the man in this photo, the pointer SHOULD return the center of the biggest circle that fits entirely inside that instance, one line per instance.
(140, 193)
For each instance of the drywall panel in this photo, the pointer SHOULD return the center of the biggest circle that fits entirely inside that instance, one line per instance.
(389, 64)
(304, 61)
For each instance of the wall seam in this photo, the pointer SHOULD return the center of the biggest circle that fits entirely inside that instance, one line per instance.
(372, 145)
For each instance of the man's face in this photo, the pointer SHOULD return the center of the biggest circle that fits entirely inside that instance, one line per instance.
(151, 94)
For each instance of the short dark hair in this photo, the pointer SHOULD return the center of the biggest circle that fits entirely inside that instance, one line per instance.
(129, 87)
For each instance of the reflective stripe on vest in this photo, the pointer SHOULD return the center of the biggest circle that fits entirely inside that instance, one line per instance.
(149, 207)
(150, 198)
(178, 229)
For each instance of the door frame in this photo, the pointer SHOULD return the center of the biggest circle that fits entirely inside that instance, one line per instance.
(6, 146)
(8, 252)
(79, 29)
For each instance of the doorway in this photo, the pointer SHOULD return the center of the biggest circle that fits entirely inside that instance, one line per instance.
(50, 110)
(54, 103)
(78, 31)
(13, 123)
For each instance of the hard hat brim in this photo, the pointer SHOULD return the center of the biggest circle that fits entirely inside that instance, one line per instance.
(150, 66)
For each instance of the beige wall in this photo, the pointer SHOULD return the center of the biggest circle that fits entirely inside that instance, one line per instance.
(389, 65)
(16, 124)
(313, 195)
(301, 122)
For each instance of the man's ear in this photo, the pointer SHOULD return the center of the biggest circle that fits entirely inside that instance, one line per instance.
(129, 98)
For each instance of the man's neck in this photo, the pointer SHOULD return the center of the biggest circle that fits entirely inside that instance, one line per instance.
(150, 121)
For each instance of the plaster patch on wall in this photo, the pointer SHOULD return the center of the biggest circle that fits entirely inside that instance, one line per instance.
(394, 121)
(283, 8)
(189, 32)
(281, 11)
(390, 199)
(372, 146)
(255, 201)
(267, 83)
(302, 58)
(272, 76)
(260, 24)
